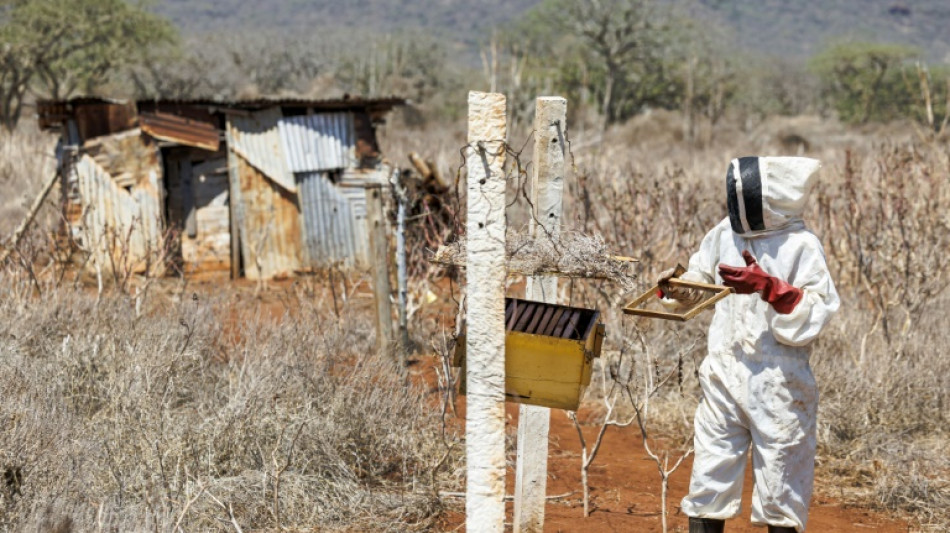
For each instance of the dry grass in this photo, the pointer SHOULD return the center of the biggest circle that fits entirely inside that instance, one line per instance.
(193, 419)
(172, 419)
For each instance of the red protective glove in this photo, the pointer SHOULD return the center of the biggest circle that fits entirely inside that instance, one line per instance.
(751, 278)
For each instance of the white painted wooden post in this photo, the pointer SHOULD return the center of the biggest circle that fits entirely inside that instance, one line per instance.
(547, 184)
(485, 319)
(402, 275)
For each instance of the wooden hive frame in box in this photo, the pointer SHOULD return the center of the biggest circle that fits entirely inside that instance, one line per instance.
(549, 353)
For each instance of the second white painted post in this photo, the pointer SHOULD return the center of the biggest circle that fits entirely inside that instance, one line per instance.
(485, 274)
(547, 185)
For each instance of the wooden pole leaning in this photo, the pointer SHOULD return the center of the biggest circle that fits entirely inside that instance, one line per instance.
(546, 193)
(485, 275)
(379, 254)
(28, 219)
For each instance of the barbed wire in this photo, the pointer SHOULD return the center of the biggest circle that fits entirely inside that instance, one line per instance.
(566, 253)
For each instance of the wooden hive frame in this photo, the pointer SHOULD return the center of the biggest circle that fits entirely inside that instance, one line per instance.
(718, 293)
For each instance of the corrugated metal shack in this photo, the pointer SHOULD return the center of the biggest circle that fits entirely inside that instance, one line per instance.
(260, 188)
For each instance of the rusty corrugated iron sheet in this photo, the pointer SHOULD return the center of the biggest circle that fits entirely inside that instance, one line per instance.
(256, 138)
(181, 130)
(334, 219)
(97, 120)
(269, 219)
(119, 227)
(52, 113)
(333, 209)
(364, 177)
(192, 112)
(323, 141)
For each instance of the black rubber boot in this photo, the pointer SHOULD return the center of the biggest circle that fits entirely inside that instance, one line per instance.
(706, 525)
(781, 529)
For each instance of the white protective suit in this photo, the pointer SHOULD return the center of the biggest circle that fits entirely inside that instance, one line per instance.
(758, 388)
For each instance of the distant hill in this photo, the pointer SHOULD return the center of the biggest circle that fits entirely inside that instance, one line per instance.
(461, 20)
(791, 28)
(799, 28)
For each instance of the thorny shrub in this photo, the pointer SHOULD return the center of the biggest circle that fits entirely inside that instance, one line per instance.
(197, 417)
(882, 366)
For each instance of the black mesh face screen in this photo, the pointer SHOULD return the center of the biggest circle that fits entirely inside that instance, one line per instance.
(752, 192)
(732, 199)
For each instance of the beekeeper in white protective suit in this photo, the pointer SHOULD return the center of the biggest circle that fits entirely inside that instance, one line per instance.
(758, 389)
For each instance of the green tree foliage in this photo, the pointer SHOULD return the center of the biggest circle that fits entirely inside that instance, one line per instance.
(59, 48)
(624, 56)
(865, 81)
(616, 53)
(768, 85)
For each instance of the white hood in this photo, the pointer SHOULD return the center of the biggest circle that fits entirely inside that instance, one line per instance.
(768, 194)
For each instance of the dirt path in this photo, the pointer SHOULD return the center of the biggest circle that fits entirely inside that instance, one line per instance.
(625, 490)
(625, 487)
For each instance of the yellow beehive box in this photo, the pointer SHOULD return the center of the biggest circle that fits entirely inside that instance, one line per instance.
(549, 353)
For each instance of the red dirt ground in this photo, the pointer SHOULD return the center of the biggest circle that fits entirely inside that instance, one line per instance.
(625, 489)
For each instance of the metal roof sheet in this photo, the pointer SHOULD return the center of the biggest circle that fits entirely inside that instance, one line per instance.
(269, 222)
(256, 139)
(111, 213)
(251, 104)
(181, 130)
(318, 142)
(334, 221)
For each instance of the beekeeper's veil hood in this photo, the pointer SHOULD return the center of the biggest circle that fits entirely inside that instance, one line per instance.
(768, 194)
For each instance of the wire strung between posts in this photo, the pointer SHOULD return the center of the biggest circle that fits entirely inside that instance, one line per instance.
(571, 254)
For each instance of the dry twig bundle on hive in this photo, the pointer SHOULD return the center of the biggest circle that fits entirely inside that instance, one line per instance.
(570, 254)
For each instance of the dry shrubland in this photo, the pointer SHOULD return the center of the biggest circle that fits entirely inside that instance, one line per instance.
(195, 414)
(196, 417)
(882, 366)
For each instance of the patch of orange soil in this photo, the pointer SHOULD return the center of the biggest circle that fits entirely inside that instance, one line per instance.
(625, 489)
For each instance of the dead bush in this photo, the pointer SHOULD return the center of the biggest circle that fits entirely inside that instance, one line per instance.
(181, 420)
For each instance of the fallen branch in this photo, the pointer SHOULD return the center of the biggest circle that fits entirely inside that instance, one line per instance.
(34, 209)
